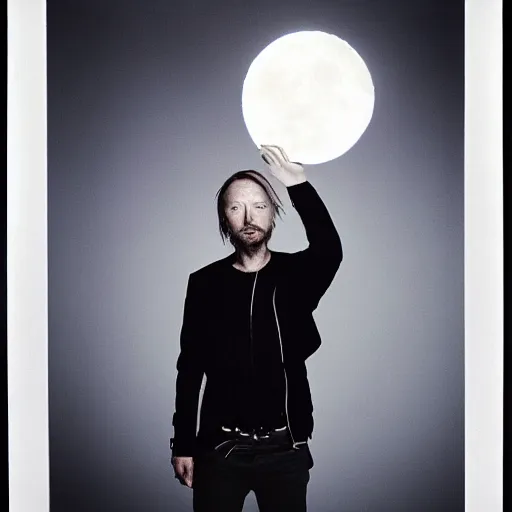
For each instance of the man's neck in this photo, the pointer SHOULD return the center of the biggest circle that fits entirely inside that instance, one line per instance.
(251, 261)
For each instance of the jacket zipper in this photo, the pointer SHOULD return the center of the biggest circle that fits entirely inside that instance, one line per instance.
(250, 325)
(295, 444)
(251, 337)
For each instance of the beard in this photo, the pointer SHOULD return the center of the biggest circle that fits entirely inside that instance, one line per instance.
(246, 242)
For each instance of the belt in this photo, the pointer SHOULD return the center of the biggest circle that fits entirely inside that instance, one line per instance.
(253, 441)
(256, 433)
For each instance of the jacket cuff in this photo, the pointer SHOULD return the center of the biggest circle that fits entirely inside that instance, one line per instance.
(297, 192)
(182, 448)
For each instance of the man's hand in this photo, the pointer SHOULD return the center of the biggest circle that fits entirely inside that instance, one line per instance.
(288, 173)
(184, 469)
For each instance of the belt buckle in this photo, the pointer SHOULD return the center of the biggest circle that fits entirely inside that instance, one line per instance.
(236, 431)
(255, 434)
(264, 433)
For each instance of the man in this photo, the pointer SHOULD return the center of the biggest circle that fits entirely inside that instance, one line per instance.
(248, 326)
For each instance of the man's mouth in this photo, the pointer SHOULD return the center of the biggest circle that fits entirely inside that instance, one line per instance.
(249, 231)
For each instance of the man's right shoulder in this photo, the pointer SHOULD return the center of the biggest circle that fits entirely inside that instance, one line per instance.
(211, 269)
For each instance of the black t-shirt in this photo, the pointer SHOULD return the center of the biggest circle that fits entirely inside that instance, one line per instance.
(259, 382)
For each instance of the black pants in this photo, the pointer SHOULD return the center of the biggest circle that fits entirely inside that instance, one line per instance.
(279, 480)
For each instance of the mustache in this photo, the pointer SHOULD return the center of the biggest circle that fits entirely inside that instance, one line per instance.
(250, 227)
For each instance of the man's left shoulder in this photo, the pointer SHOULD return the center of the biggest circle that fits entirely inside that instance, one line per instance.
(283, 260)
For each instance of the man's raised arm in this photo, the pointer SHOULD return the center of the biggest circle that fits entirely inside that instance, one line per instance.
(318, 264)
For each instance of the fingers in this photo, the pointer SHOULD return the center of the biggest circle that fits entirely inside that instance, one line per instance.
(188, 472)
(188, 476)
(284, 156)
(277, 151)
(268, 156)
(184, 472)
(265, 159)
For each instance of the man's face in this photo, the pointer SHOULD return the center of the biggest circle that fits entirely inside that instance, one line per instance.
(249, 214)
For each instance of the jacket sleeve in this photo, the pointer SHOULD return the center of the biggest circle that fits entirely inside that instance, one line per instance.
(317, 265)
(190, 374)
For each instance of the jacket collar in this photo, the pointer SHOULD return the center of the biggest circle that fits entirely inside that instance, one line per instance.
(229, 260)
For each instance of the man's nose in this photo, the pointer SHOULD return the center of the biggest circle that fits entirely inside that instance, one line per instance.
(248, 215)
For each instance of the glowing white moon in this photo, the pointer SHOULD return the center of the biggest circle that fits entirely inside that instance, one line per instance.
(310, 93)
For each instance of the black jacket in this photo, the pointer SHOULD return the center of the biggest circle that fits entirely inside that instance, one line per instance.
(303, 278)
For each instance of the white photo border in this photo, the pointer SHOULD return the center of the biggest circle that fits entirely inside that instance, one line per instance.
(27, 281)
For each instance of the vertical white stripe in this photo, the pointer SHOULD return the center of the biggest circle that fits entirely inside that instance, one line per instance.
(27, 310)
(252, 303)
(484, 257)
(250, 323)
(200, 403)
(284, 369)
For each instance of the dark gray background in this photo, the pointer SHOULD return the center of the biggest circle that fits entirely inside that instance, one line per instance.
(144, 124)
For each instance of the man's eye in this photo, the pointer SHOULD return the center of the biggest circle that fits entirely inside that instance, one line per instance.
(261, 206)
